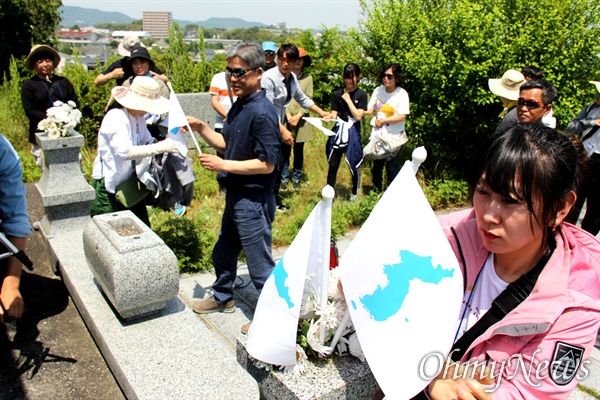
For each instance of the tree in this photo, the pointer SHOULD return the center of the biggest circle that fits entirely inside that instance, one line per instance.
(449, 49)
(23, 23)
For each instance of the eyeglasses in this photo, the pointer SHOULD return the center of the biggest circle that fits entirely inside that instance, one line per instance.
(44, 60)
(388, 76)
(269, 53)
(237, 72)
(532, 105)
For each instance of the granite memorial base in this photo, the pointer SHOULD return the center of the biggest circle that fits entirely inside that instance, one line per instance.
(336, 377)
(136, 270)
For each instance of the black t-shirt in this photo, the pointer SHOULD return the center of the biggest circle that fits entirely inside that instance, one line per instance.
(123, 63)
(360, 98)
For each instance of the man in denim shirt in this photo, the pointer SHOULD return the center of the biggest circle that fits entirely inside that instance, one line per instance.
(14, 223)
(251, 145)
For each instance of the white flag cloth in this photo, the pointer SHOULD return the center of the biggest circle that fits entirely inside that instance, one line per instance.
(272, 335)
(175, 120)
(318, 123)
(403, 287)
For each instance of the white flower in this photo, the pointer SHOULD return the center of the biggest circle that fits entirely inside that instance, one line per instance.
(314, 340)
(61, 119)
(355, 348)
(301, 362)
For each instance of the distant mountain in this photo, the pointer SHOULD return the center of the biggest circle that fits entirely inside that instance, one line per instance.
(215, 22)
(90, 16)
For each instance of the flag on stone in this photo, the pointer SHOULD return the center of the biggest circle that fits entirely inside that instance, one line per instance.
(272, 335)
(403, 287)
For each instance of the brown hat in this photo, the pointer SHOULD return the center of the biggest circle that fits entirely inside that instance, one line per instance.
(507, 86)
(38, 51)
(302, 54)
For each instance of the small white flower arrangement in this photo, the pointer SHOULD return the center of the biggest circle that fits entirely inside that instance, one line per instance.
(61, 120)
(340, 335)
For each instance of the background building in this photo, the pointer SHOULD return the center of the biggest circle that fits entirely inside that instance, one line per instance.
(157, 23)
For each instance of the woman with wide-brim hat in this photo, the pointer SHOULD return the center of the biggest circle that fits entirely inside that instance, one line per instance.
(41, 91)
(124, 138)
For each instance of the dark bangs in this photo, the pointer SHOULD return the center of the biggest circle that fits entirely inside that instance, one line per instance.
(534, 164)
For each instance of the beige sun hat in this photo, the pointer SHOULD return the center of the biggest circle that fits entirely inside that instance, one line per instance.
(143, 95)
(35, 52)
(507, 86)
(127, 45)
(597, 84)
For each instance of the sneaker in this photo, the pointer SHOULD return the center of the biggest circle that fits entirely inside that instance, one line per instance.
(353, 198)
(210, 305)
(179, 209)
(283, 187)
(246, 327)
(281, 208)
(296, 185)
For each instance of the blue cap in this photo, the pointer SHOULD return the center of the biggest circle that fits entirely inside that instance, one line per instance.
(269, 46)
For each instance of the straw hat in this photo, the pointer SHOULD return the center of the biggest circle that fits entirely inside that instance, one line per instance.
(143, 95)
(34, 55)
(597, 84)
(507, 86)
(302, 54)
(127, 44)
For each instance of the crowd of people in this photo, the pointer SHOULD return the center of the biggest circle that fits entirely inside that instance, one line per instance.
(527, 195)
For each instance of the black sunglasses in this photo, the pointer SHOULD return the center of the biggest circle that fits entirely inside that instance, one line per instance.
(237, 72)
(389, 76)
(269, 53)
(532, 105)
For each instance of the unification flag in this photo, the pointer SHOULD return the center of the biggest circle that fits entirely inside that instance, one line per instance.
(272, 335)
(403, 287)
(318, 123)
(175, 120)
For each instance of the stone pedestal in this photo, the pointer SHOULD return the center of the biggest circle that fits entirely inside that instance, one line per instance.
(336, 377)
(66, 194)
(136, 270)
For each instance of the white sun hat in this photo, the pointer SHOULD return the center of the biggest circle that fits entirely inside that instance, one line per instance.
(597, 84)
(507, 86)
(143, 95)
(127, 44)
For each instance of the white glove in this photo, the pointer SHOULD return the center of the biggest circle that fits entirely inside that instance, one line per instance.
(164, 146)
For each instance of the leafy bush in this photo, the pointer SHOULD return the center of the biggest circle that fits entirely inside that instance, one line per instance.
(446, 193)
(449, 50)
(188, 241)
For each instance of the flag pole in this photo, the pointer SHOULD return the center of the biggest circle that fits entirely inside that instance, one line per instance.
(187, 125)
(328, 194)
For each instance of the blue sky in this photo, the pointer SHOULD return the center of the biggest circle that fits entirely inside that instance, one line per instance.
(303, 14)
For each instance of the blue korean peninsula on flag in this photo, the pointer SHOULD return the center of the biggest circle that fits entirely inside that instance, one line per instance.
(403, 287)
(272, 335)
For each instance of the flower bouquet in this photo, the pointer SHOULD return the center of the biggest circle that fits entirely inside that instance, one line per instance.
(331, 320)
(61, 120)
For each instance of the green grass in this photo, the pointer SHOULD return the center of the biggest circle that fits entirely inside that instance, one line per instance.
(192, 237)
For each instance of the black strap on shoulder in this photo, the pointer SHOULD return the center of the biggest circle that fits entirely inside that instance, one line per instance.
(506, 301)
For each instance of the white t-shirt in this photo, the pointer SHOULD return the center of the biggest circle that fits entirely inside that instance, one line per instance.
(119, 132)
(218, 87)
(478, 299)
(397, 103)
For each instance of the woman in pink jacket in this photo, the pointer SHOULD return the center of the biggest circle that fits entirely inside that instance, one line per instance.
(540, 349)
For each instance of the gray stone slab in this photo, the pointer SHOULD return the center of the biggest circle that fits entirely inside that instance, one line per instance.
(173, 355)
(228, 325)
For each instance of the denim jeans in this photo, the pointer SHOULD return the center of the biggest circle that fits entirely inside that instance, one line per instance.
(246, 225)
(392, 167)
